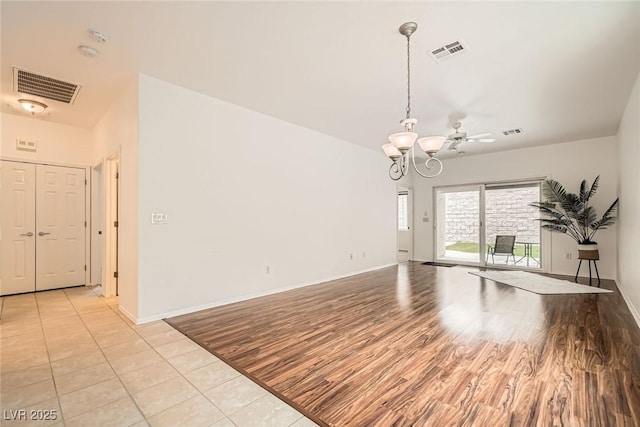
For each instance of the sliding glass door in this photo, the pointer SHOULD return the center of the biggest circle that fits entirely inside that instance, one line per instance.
(458, 224)
(489, 224)
(508, 213)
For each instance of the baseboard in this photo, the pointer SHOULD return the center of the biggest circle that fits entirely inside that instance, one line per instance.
(188, 310)
(129, 315)
(632, 309)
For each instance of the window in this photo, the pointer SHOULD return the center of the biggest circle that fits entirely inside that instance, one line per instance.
(403, 214)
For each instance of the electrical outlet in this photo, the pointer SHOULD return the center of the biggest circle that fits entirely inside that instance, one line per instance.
(267, 269)
(350, 256)
(364, 254)
(569, 255)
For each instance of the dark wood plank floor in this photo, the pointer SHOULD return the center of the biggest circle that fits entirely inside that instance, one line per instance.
(420, 345)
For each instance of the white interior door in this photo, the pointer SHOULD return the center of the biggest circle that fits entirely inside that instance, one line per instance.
(17, 227)
(60, 224)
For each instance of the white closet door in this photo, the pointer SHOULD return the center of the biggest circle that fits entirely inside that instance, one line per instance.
(60, 225)
(17, 227)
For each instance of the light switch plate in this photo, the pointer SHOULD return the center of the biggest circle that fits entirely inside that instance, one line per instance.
(24, 145)
(158, 218)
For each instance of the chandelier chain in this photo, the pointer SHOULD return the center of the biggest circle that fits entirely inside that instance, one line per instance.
(408, 79)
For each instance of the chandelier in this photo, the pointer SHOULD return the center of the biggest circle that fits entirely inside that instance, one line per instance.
(401, 147)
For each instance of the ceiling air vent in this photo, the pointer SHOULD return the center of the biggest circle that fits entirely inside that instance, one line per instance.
(455, 48)
(31, 83)
(516, 131)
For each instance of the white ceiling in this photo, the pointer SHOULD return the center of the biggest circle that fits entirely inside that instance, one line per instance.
(560, 70)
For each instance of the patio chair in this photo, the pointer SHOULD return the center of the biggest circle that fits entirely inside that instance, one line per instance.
(503, 246)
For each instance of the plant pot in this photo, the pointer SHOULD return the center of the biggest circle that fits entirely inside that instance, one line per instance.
(588, 251)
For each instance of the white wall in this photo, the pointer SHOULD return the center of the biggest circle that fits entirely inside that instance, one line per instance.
(118, 130)
(568, 163)
(629, 214)
(57, 143)
(244, 191)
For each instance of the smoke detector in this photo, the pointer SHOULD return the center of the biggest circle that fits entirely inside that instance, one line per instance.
(97, 36)
(87, 51)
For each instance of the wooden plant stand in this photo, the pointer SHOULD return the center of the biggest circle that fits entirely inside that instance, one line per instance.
(590, 256)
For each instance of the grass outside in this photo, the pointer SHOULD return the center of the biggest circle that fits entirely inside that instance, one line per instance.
(518, 250)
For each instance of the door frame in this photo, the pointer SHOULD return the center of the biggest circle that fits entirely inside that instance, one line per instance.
(111, 192)
(97, 223)
(87, 205)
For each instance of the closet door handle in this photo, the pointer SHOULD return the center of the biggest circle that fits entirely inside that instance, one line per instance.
(42, 233)
(29, 234)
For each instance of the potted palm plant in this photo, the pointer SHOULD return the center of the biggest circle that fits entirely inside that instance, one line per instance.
(571, 214)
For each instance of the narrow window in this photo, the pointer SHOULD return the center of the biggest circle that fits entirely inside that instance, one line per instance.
(403, 214)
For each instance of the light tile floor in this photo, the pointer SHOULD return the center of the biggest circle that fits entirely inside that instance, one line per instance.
(72, 357)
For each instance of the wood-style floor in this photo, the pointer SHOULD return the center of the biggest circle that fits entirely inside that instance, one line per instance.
(417, 345)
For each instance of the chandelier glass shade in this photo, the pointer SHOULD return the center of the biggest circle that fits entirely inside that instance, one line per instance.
(403, 141)
(431, 144)
(391, 151)
(401, 146)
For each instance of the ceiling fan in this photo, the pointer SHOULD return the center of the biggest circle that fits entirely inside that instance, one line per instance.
(458, 137)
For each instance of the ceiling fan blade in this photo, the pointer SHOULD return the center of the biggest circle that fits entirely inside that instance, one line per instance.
(482, 140)
(480, 135)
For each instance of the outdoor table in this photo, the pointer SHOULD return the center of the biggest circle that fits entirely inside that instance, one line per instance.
(528, 252)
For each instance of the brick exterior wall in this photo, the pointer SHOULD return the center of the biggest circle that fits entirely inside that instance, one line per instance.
(507, 212)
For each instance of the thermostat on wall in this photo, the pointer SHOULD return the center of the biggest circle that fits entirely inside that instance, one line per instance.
(158, 218)
(23, 144)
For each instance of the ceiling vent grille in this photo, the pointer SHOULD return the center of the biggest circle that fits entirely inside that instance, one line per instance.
(516, 131)
(31, 83)
(447, 51)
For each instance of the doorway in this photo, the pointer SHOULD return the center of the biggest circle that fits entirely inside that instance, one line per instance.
(405, 218)
(43, 227)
